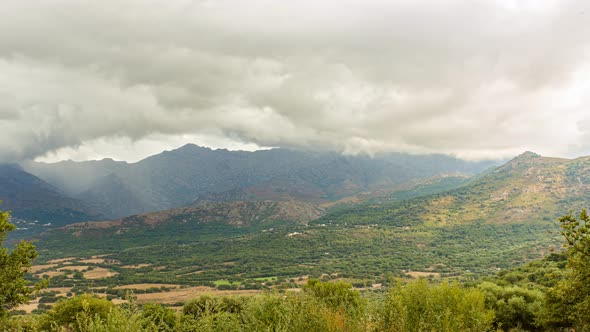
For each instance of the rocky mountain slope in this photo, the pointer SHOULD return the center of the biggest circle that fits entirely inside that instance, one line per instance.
(237, 214)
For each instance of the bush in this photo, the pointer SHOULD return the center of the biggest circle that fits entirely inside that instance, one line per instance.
(445, 307)
(70, 312)
(514, 306)
(158, 317)
(207, 305)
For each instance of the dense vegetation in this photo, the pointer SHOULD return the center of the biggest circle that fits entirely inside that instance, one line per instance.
(501, 219)
(549, 295)
(319, 307)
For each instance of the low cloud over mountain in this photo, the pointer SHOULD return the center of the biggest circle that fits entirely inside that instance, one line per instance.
(476, 79)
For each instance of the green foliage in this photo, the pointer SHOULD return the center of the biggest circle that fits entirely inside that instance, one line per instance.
(419, 306)
(335, 295)
(117, 319)
(158, 318)
(576, 232)
(208, 305)
(514, 306)
(568, 303)
(73, 312)
(14, 288)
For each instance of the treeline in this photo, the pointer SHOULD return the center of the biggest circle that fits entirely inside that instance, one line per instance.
(318, 307)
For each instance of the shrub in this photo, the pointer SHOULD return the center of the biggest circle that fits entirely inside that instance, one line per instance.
(69, 312)
(158, 317)
(419, 306)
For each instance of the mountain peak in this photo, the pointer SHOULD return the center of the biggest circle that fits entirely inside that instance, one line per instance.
(527, 155)
(190, 147)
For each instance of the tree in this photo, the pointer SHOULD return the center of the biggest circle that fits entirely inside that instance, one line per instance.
(568, 303)
(420, 306)
(335, 295)
(14, 289)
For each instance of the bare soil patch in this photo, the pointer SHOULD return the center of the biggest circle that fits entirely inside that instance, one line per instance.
(418, 274)
(74, 268)
(62, 291)
(29, 307)
(61, 260)
(136, 266)
(303, 280)
(146, 286)
(37, 268)
(99, 273)
(99, 261)
(186, 294)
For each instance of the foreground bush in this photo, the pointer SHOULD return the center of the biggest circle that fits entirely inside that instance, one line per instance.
(419, 306)
(71, 314)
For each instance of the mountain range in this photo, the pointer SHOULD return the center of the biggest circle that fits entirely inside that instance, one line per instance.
(500, 218)
(192, 173)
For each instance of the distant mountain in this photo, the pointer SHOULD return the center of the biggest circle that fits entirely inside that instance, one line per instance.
(31, 198)
(192, 173)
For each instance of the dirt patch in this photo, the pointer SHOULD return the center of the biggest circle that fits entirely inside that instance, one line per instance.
(37, 268)
(418, 274)
(50, 274)
(146, 286)
(61, 260)
(99, 261)
(34, 303)
(186, 294)
(100, 256)
(99, 273)
(303, 280)
(61, 291)
(29, 307)
(136, 266)
(74, 268)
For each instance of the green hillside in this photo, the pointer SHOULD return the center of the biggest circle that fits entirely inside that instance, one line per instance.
(498, 220)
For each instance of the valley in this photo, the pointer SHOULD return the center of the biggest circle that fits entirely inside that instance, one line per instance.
(497, 220)
(445, 227)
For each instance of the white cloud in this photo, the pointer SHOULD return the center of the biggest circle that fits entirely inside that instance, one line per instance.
(476, 79)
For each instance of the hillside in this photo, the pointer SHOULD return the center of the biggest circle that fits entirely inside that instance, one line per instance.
(498, 220)
(237, 214)
(32, 199)
(192, 173)
(187, 224)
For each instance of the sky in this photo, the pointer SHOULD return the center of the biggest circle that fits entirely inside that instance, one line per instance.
(127, 79)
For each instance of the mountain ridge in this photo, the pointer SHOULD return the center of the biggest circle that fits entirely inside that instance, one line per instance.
(29, 197)
(191, 173)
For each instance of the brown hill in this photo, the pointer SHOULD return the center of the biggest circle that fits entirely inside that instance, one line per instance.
(239, 214)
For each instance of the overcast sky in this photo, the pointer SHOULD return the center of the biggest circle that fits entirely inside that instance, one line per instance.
(126, 79)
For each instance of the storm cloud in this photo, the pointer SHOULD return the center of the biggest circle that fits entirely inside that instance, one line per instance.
(475, 79)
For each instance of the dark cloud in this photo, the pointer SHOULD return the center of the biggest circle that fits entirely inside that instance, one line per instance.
(471, 78)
